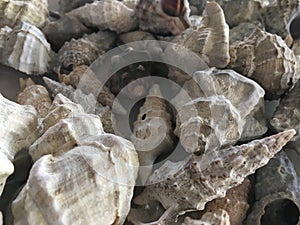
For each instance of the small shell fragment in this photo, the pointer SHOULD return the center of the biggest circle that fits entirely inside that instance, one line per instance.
(218, 217)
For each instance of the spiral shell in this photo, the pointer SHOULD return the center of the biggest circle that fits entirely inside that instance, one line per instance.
(218, 217)
(27, 50)
(99, 176)
(190, 184)
(162, 16)
(14, 12)
(265, 58)
(152, 131)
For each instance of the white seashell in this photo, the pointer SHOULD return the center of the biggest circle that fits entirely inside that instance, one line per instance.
(6, 169)
(90, 184)
(218, 217)
(4, 32)
(14, 12)
(152, 131)
(1, 219)
(27, 50)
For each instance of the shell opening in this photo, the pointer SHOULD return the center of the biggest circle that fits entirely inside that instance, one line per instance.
(172, 7)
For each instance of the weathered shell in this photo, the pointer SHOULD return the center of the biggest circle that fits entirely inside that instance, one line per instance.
(4, 32)
(207, 124)
(217, 217)
(265, 58)
(67, 5)
(277, 194)
(101, 15)
(152, 131)
(99, 176)
(235, 203)
(243, 31)
(197, 7)
(6, 169)
(13, 12)
(154, 17)
(287, 114)
(190, 184)
(294, 156)
(18, 127)
(84, 78)
(35, 95)
(27, 50)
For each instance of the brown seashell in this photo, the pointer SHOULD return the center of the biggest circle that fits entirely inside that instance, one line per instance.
(217, 217)
(35, 95)
(266, 58)
(163, 16)
(191, 183)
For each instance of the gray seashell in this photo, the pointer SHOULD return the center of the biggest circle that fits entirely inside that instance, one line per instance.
(294, 156)
(67, 5)
(99, 176)
(27, 50)
(218, 217)
(243, 31)
(190, 184)
(277, 193)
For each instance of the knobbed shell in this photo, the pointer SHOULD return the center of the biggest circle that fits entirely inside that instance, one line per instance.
(218, 217)
(152, 131)
(99, 176)
(277, 194)
(163, 16)
(27, 50)
(35, 95)
(266, 58)
(191, 183)
(13, 12)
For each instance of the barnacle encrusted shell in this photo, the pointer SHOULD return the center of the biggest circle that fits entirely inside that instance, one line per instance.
(152, 131)
(18, 127)
(235, 203)
(277, 194)
(6, 169)
(27, 50)
(287, 114)
(90, 184)
(193, 182)
(207, 124)
(13, 12)
(218, 217)
(35, 95)
(162, 16)
(266, 58)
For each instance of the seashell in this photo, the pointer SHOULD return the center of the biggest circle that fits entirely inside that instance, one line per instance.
(277, 194)
(60, 189)
(27, 50)
(6, 169)
(197, 7)
(35, 95)
(14, 12)
(265, 58)
(294, 157)
(207, 124)
(287, 114)
(67, 5)
(18, 127)
(1, 218)
(243, 31)
(191, 183)
(84, 78)
(61, 108)
(65, 135)
(4, 32)
(163, 16)
(152, 131)
(218, 217)
(235, 203)
(99, 15)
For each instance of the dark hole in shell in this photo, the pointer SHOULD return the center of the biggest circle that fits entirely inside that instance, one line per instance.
(281, 212)
(295, 28)
(172, 7)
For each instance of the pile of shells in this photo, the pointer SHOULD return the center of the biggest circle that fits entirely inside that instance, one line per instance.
(142, 112)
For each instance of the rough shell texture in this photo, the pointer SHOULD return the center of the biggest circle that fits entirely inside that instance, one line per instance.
(287, 114)
(266, 58)
(218, 217)
(154, 17)
(27, 50)
(67, 5)
(18, 127)
(277, 194)
(152, 131)
(243, 31)
(98, 176)
(14, 12)
(37, 96)
(235, 203)
(248, 103)
(4, 32)
(6, 169)
(191, 183)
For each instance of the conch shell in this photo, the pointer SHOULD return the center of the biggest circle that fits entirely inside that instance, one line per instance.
(27, 50)
(13, 12)
(152, 131)
(163, 16)
(218, 217)
(191, 183)
(99, 176)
